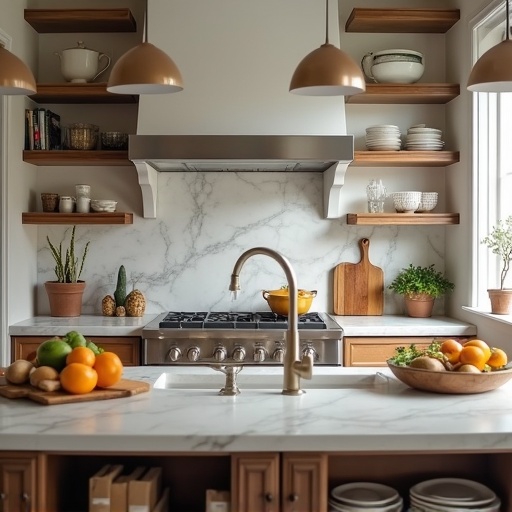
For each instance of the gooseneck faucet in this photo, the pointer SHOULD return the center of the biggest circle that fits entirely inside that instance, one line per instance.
(293, 368)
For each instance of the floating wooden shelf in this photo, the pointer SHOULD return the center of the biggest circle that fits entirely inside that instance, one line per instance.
(76, 158)
(76, 218)
(403, 20)
(406, 94)
(46, 21)
(400, 219)
(404, 158)
(79, 93)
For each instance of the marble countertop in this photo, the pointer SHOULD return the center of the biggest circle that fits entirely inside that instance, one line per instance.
(400, 325)
(369, 411)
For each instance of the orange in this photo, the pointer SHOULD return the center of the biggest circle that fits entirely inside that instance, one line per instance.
(498, 358)
(78, 378)
(479, 343)
(451, 349)
(109, 368)
(82, 355)
(473, 355)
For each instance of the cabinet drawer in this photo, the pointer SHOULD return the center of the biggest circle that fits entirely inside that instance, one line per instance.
(128, 348)
(374, 351)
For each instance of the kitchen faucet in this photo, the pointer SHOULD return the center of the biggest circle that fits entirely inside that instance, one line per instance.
(293, 368)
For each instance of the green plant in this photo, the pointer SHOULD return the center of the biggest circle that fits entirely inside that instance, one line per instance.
(413, 280)
(67, 269)
(499, 240)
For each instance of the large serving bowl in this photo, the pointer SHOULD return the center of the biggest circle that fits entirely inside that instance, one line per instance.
(278, 300)
(396, 66)
(450, 382)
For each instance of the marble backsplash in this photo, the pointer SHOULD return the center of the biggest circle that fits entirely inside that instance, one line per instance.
(183, 259)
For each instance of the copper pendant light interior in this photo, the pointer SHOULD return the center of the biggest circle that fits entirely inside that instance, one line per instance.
(145, 69)
(327, 71)
(492, 72)
(16, 78)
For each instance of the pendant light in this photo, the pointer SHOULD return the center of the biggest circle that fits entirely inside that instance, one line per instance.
(145, 69)
(15, 76)
(327, 71)
(492, 72)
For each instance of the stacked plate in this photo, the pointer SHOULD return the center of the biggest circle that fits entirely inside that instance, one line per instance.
(452, 495)
(383, 137)
(364, 497)
(422, 138)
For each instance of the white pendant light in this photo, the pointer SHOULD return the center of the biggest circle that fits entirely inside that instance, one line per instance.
(15, 76)
(492, 72)
(327, 71)
(145, 69)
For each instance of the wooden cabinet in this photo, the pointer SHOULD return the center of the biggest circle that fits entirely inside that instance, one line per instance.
(128, 348)
(255, 482)
(18, 482)
(376, 350)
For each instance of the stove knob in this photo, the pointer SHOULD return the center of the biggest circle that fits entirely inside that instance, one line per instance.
(193, 354)
(278, 355)
(219, 354)
(239, 354)
(259, 354)
(311, 352)
(174, 354)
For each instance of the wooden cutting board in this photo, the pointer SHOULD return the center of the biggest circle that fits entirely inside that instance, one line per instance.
(123, 388)
(359, 287)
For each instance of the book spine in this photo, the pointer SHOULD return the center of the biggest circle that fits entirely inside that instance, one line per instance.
(37, 133)
(31, 129)
(27, 129)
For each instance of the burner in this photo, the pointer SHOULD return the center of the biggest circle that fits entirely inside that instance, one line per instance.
(176, 320)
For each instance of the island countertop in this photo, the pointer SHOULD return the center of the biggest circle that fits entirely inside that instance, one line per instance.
(372, 413)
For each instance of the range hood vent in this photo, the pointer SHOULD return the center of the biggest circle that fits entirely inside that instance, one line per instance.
(329, 154)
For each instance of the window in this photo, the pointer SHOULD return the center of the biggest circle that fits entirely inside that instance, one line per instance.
(492, 160)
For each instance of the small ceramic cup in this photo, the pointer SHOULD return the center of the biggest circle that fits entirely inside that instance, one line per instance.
(50, 201)
(66, 204)
(82, 191)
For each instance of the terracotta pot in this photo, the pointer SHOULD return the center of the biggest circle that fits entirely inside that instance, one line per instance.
(419, 305)
(278, 300)
(501, 301)
(65, 298)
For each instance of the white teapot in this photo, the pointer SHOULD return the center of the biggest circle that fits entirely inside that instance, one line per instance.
(80, 65)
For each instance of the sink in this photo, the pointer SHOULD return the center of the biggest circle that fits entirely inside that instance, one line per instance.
(251, 379)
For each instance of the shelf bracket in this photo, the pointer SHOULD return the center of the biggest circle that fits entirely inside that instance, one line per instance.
(148, 178)
(334, 179)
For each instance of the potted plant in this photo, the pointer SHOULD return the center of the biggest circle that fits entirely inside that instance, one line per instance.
(499, 240)
(420, 286)
(65, 293)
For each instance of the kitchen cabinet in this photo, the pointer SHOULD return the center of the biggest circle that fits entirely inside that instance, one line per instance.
(19, 486)
(128, 348)
(376, 350)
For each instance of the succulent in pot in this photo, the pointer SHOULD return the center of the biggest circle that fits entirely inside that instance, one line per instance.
(279, 302)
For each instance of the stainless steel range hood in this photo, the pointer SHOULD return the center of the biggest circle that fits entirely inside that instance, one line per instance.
(329, 154)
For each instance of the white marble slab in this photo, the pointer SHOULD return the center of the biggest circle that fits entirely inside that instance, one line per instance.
(400, 325)
(88, 325)
(380, 415)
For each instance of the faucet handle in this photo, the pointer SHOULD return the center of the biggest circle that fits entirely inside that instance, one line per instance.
(304, 367)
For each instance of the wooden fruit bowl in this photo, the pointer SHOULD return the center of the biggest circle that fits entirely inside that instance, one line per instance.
(456, 383)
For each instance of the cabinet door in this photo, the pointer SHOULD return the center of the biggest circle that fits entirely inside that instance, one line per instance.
(18, 484)
(128, 348)
(255, 482)
(304, 487)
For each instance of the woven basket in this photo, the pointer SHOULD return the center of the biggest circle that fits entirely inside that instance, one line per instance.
(50, 202)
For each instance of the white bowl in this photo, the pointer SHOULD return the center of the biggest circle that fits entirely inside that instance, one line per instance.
(428, 201)
(103, 205)
(398, 72)
(406, 202)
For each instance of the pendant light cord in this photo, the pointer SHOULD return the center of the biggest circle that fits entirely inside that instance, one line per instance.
(327, 21)
(508, 20)
(145, 38)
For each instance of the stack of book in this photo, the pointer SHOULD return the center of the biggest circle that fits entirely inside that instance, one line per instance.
(42, 130)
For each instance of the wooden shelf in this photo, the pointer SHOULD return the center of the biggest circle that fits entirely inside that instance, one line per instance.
(92, 158)
(79, 93)
(406, 94)
(404, 158)
(76, 218)
(404, 20)
(52, 21)
(400, 219)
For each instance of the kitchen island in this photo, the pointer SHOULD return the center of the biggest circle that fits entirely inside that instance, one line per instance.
(360, 424)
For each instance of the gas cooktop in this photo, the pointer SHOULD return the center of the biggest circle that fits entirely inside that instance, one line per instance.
(237, 320)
